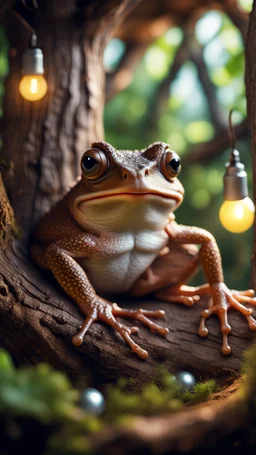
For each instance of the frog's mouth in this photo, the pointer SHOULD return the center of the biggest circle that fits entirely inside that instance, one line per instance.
(176, 195)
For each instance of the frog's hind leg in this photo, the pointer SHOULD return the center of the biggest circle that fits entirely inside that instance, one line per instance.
(156, 279)
(187, 295)
(37, 253)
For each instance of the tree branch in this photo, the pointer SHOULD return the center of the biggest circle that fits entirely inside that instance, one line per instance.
(161, 96)
(199, 429)
(239, 18)
(195, 52)
(38, 322)
(122, 76)
(206, 151)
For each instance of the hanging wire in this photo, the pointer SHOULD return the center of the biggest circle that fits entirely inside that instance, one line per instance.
(24, 22)
(231, 131)
(234, 156)
(36, 7)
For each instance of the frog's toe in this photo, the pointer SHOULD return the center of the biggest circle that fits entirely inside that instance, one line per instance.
(247, 293)
(183, 299)
(125, 333)
(244, 298)
(221, 311)
(78, 339)
(143, 317)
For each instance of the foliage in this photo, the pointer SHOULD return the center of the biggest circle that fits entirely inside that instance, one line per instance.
(39, 410)
(39, 392)
(39, 405)
(42, 398)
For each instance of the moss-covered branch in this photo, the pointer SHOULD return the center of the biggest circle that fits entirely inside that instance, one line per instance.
(41, 398)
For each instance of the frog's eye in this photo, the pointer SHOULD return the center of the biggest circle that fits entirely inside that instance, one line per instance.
(170, 165)
(94, 164)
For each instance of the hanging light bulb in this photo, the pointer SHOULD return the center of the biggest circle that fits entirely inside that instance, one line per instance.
(33, 85)
(237, 211)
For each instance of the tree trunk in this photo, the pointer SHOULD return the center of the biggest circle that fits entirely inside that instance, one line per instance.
(44, 140)
(250, 78)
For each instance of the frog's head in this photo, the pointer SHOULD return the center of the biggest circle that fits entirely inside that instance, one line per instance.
(123, 183)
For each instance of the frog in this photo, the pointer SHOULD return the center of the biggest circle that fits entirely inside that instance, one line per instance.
(112, 234)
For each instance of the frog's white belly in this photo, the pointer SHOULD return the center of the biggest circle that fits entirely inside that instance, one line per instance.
(133, 253)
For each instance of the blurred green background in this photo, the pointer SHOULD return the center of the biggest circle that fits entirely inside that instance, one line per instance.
(131, 122)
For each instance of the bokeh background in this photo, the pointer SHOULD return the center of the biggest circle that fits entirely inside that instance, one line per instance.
(157, 106)
(177, 111)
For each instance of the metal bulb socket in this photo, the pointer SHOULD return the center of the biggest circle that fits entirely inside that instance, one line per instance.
(33, 59)
(235, 179)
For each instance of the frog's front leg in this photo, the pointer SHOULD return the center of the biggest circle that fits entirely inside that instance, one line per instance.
(73, 279)
(222, 298)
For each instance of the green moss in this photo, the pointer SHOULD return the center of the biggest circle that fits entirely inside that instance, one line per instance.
(154, 399)
(150, 401)
(200, 392)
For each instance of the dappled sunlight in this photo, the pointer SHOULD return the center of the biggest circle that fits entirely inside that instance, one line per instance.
(113, 53)
(199, 131)
(156, 63)
(245, 5)
(186, 82)
(208, 26)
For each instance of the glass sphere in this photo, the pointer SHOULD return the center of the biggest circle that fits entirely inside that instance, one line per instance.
(237, 216)
(33, 87)
(185, 380)
(92, 401)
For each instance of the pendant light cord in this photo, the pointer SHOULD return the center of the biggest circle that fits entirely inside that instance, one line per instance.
(234, 156)
(24, 22)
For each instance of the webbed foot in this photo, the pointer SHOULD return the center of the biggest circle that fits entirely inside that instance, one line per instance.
(222, 300)
(106, 312)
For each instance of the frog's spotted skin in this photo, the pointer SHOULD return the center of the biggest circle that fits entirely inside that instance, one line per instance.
(109, 232)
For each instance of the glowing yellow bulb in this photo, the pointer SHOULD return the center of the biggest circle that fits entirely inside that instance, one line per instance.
(33, 87)
(237, 216)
